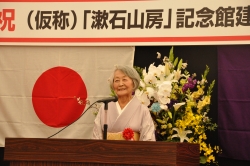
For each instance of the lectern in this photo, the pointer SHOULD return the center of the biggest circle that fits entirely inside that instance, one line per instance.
(83, 152)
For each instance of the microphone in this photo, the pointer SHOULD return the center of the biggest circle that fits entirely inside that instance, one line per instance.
(107, 100)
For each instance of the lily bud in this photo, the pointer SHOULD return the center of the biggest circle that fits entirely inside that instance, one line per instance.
(167, 71)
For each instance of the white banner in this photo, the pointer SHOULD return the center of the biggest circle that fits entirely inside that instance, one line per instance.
(44, 89)
(124, 22)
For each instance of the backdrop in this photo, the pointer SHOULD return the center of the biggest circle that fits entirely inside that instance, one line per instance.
(44, 89)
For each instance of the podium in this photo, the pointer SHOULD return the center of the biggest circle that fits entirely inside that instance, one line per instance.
(84, 152)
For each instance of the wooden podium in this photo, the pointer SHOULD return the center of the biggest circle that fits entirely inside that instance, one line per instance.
(82, 152)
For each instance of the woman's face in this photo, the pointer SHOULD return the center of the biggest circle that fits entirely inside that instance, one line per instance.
(123, 85)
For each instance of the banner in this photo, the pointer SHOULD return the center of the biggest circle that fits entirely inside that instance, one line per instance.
(44, 89)
(124, 22)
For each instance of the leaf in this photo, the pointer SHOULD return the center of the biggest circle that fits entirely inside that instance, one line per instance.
(204, 76)
(170, 114)
(139, 70)
(180, 64)
(210, 88)
(112, 92)
(171, 54)
(175, 62)
(203, 159)
(160, 121)
(166, 119)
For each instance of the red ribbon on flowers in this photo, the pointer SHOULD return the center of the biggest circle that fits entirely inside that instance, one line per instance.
(128, 134)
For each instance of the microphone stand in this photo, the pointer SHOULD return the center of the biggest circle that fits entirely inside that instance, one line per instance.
(105, 126)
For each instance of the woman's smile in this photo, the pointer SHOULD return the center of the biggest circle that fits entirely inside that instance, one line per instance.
(123, 85)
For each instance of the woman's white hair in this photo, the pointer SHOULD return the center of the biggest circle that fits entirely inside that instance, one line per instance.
(128, 71)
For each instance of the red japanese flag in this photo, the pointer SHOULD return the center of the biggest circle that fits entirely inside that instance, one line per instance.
(43, 89)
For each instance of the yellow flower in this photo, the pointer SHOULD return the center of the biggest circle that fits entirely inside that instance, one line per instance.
(217, 149)
(203, 144)
(163, 126)
(204, 136)
(198, 93)
(176, 86)
(199, 106)
(182, 81)
(202, 103)
(191, 139)
(195, 95)
(173, 96)
(201, 91)
(163, 133)
(210, 158)
(206, 100)
(190, 103)
(209, 151)
(170, 125)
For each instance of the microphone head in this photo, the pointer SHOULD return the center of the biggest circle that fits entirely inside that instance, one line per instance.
(107, 100)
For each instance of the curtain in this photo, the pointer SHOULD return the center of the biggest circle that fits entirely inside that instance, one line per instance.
(234, 101)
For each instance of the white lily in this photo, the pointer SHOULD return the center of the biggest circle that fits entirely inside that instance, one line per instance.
(184, 65)
(164, 92)
(177, 105)
(144, 72)
(150, 79)
(163, 99)
(158, 55)
(164, 107)
(167, 71)
(182, 134)
(142, 97)
(142, 84)
(165, 86)
(155, 71)
(177, 74)
(150, 92)
(162, 70)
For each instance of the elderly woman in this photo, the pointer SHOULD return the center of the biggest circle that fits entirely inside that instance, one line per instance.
(128, 112)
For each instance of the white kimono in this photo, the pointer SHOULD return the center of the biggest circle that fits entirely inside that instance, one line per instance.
(135, 116)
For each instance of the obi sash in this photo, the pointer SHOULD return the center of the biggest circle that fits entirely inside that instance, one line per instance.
(118, 136)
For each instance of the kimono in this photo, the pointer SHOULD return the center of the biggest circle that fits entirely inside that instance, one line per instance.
(135, 116)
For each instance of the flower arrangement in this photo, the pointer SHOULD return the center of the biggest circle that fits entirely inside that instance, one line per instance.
(128, 134)
(178, 103)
